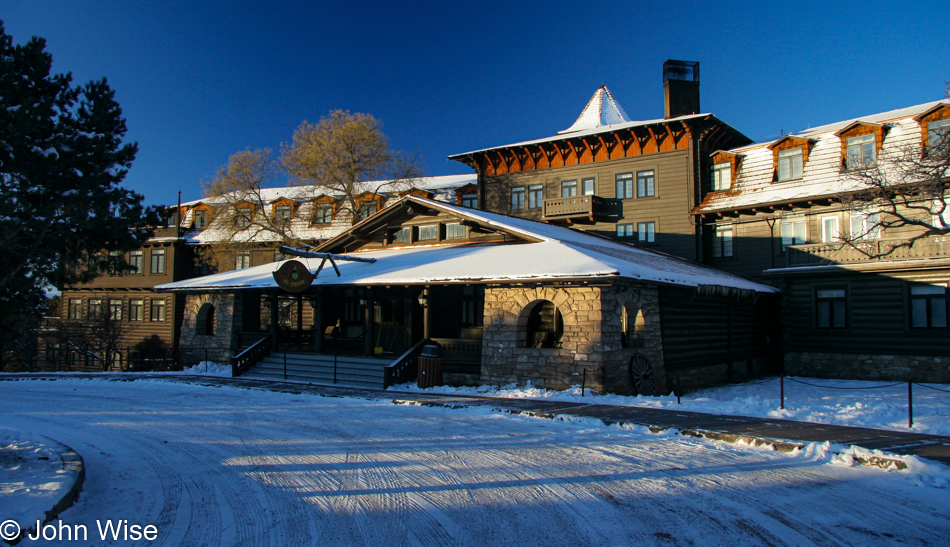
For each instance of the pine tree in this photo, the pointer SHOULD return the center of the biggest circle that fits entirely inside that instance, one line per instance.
(62, 160)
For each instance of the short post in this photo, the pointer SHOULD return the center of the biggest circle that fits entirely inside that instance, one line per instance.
(910, 405)
(782, 390)
(584, 382)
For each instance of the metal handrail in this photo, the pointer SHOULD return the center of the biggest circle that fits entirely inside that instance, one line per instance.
(402, 369)
(250, 356)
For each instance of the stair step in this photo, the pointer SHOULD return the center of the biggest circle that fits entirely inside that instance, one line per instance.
(319, 369)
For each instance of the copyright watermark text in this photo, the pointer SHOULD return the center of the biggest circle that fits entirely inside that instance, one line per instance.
(114, 530)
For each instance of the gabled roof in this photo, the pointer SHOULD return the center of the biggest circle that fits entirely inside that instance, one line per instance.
(602, 109)
(543, 253)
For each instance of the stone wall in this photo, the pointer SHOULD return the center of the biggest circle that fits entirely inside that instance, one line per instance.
(219, 347)
(648, 342)
(899, 368)
(506, 357)
(591, 340)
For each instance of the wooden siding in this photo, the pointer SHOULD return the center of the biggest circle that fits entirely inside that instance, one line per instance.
(701, 332)
(877, 314)
(669, 208)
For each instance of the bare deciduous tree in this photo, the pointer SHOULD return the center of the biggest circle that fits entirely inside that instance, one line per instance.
(905, 191)
(341, 153)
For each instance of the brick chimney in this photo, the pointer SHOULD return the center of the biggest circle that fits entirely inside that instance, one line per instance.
(680, 88)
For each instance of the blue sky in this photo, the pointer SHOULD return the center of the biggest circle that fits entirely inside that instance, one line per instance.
(198, 80)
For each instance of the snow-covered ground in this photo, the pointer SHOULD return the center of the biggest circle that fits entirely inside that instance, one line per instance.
(230, 466)
(841, 402)
(32, 474)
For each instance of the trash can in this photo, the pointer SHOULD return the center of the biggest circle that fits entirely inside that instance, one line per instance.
(430, 366)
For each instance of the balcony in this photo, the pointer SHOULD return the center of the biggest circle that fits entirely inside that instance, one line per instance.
(575, 208)
(840, 253)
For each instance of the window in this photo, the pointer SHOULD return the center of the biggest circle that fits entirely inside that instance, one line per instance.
(470, 200)
(278, 255)
(646, 184)
(136, 310)
(793, 230)
(941, 210)
(829, 230)
(721, 176)
(626, 230)
(589, 186)
(282, 214)
(938, 134)
(473, 305)
(790, 164)
(322, 214)
(722, 241)
(861, 152)
(366, 210)
(158, 311)
(242, 260)
(158, 261)
(632, 326)
(243, 216)
(403, 235)
(545, 325)
(865, 225)
(115, 310)
(454, 230)
(115, 263)
(201, 219)
(646, 232)
(517, 198)
(624, 185)
(428, 232)
(831, 308)
(568, 188)
(535, 196)
(928, 306)
(95, 308)
(135, 262)
(75, 308)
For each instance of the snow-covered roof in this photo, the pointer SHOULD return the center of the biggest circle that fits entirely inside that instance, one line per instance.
(602, 109)
(822, 175)
(309, 192)
(549, 253)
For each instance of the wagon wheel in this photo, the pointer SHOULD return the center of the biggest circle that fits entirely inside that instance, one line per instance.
(641, 376)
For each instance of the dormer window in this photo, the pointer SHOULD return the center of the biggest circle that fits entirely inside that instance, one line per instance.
(322, 214)
(791, 163)
(861, 152)
(860, 144)
(243, 216)
(789, 156)
(282, 214)
(721, 176)
(938, 134)
(201, 219)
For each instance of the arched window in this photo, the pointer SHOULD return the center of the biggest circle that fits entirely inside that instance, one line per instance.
(545, 326)
(632, 326)
(204, 323)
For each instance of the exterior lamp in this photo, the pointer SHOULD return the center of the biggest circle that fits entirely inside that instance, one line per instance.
(423, 299)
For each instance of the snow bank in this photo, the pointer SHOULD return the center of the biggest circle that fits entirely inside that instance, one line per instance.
(32, 477)
(840, 402)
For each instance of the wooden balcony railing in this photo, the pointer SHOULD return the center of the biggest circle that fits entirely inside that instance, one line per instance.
(841, 253)
(575, 207)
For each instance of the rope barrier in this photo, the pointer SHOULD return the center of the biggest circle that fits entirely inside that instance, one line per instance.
(846, 388)
(933, 388)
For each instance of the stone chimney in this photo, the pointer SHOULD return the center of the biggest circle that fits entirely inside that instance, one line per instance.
(680, 88)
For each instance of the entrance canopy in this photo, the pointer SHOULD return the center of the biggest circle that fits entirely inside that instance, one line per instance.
(529, 252)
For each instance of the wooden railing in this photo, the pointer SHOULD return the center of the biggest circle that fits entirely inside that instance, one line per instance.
(250, 356)
(403, 369)
(572, 207)
(841, 253)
